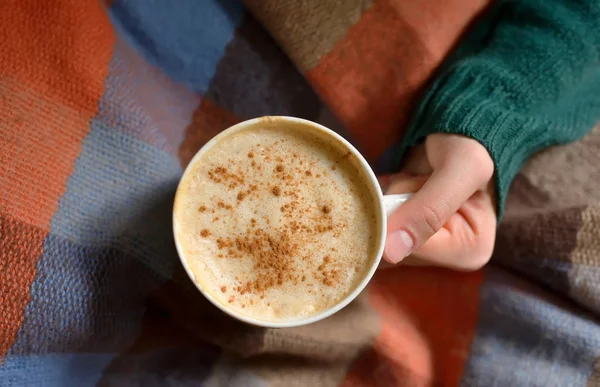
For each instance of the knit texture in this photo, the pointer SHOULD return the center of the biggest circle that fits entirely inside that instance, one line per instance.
(525, 79)
(103, 104)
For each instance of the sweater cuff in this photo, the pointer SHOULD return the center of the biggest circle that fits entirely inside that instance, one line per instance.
(461, 103)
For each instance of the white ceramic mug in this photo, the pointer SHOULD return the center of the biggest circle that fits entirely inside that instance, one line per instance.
(386, 204)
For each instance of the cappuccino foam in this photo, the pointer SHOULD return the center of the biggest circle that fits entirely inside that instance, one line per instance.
(276, 222)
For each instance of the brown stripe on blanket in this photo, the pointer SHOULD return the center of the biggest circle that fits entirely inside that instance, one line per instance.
(308, 29)
(539, 244)
(524, 198)
(587, 251)
(318, 354)
(570, 174)
(594, 378)
(555, 216)
(339, 337)
(584, 276)
(551, 226)
(276, 371)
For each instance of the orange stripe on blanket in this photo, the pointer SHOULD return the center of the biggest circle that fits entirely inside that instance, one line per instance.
(373, 76)
(55, 57)
(20, 248)
(429, 317)
(209, 119)
(60, 49)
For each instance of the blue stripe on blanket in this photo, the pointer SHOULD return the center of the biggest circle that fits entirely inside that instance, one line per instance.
(526, 336)
(52, 370)
(110, 245)
(185, 39)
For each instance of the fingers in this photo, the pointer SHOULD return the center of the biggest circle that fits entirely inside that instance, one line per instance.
(460, 170)
(466, 241)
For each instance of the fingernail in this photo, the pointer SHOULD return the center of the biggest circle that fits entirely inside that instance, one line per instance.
(398, 246)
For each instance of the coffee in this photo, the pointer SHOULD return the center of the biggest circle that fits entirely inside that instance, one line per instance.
(276, 222)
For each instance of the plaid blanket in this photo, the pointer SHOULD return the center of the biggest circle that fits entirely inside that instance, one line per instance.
(102, 104)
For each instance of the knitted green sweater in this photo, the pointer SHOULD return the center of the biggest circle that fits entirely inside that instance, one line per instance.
(527, 77)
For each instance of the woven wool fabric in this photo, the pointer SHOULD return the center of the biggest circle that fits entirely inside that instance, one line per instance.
(103, 104)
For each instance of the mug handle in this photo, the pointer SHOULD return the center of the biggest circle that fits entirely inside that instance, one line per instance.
(392, 202)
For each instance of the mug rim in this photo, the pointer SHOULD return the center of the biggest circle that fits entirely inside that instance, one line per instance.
(351, 296)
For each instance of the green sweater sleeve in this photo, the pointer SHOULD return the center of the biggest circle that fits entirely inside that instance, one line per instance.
(526, 77)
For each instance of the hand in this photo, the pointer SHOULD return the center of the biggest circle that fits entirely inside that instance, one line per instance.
(451, 219)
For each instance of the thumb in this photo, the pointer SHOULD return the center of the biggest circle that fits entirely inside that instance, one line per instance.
(449, 186)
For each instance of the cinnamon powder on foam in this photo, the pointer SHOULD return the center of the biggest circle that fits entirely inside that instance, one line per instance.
(276, 254)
